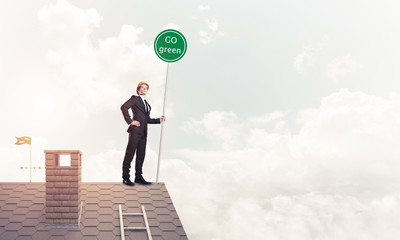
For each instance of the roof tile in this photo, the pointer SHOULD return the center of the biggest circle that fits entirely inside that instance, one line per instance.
(41, 235)
(91, 207)
(118, 200)
(177, 222)
(8, 207)
(107, 197)
(133, 204)
(89, 238)
(9, 235)
(105, 226)
(157, 197)
(160, 204)
(12, 200)
(156, 231)
(90, 214)
(34, 214)
(165, 218)
(58, 238)
(4, 221)
(105, 186)
(12, 226)
(170, 235)
(118, 188)
(74, 234)
(167, 227)
(16, 218)
(107, 210)
(92, 200)
(105, 192)
(58, 232)
(145, 200)
(90, 231)
(24, 203)
(157, 238)
(136, 235)
(21, 237)
(180, 231)
(105, 235)
(153, 222)
(162, 211)
(144, 194)
(91, 222)
(27, 231)
(105, 203)
(30, 222)
(106, 218)
(93, 188)
(36, 207)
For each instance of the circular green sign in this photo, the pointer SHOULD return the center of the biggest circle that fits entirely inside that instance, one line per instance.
(170, 45)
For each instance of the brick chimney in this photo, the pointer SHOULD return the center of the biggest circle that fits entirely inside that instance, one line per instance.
(63, 185)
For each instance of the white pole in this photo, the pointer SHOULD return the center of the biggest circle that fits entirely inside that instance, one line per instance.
(162, 124)
(30, 164)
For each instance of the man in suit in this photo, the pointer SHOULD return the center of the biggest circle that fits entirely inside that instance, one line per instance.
(137, 133)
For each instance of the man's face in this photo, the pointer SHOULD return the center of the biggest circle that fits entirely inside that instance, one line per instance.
(143, 90)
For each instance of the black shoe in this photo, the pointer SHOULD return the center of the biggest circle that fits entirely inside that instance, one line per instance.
(128, 182)
(140, 180)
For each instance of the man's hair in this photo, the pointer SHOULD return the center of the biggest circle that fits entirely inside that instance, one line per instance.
(140, 84)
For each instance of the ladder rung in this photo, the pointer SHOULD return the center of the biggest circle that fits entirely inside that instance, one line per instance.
(133, 214)
(122, 227)
(135, 228)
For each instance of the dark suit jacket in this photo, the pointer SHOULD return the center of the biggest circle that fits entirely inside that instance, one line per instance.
(136, 104)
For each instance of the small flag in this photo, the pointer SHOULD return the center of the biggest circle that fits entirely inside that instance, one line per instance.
(23, 140)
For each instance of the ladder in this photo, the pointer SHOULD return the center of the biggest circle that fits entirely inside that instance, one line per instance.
(121, 222)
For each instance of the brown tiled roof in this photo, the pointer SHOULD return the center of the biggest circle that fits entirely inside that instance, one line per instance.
(22, 212)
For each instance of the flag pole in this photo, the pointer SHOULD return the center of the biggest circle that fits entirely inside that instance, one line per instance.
(162, 124)
(30, 164)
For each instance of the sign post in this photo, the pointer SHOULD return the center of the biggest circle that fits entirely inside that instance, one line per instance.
(170, 46)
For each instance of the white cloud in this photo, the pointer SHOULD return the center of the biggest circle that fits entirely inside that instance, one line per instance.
(204, 7)
(103, 167)
(217, 125)
(97, 76)
(337, 178)
(205, 37)
(208, 36)
(342, 67)
(43, 105)
(306, 59)
(212, 24)
(65, 25)
(228, 129)
(172, 26)
(274, 118)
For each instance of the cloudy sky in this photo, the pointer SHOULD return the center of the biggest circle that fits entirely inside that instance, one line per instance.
(282, 118)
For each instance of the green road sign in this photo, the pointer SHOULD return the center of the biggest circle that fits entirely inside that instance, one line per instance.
(170, 45)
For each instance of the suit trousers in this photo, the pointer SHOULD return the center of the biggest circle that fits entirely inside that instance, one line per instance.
(136, 144)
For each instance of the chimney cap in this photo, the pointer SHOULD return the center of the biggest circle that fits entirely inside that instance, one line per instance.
(63, 151)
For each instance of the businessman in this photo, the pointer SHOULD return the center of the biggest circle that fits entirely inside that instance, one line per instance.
(137, 133)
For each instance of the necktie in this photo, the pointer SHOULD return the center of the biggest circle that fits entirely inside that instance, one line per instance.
(146, 106)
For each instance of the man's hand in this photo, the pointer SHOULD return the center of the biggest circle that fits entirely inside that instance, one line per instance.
(135, 123)
(163, 118)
